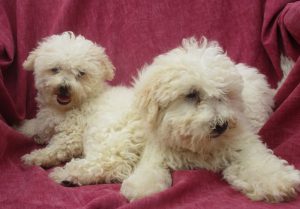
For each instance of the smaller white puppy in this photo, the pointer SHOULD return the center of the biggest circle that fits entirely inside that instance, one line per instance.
(70, 72)
(204, 111)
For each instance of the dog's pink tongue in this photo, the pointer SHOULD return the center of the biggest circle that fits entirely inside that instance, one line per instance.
(63, 100)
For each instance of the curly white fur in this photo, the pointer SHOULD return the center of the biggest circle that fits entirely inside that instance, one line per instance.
(191, 108)
(189, 94)
(70, 72)
(113, 142)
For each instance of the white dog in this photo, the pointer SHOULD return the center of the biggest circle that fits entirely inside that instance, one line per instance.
(204, 112)
(191, 108)
(70, 73)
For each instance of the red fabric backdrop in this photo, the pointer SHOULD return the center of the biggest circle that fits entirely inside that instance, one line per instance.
(133, 32)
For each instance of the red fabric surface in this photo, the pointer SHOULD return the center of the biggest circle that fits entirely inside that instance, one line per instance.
(133, 32)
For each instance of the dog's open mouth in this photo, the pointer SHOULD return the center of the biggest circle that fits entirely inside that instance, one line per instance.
(63, 99)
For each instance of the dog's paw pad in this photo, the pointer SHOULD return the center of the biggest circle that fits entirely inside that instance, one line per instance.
(67, 183)
(28, 159)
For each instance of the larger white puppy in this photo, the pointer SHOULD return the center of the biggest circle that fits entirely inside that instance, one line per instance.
(204, 112)
(70, 73)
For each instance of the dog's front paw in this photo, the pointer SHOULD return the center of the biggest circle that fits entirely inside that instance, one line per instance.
(27, 159)
(278, 187)
(32, 159)
(39, 158)
(61, 176)
(138, 187)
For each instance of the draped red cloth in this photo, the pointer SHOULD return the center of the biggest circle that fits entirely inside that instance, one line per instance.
(133, 32)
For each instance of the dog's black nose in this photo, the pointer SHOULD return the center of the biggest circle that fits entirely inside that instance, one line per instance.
(219, 129)
(64, 90)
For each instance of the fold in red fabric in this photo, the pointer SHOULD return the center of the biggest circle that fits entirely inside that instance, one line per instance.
(134, 32)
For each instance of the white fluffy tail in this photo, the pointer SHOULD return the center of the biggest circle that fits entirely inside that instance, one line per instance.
(286, 65)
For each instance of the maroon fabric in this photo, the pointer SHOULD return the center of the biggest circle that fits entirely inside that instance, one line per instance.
(133, 32)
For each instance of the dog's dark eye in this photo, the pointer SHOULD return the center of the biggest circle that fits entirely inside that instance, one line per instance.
(54, 70)
(193, 96)
(80, 74)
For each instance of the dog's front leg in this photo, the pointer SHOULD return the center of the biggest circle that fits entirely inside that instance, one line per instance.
(41, 128)
(28, 127)
(150, 176)
(62, 147)
(259, 174)
(65, 144)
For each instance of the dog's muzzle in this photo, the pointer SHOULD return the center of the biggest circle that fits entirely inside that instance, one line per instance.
(63, 95)
(219, 129)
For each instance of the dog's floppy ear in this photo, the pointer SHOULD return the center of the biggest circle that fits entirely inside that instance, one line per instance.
(147, 105)
(108, 67)
(151, 96)
(104, 61)
(28, 64)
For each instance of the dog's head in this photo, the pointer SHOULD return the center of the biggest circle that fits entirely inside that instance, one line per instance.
(191, 94)
(68, 70)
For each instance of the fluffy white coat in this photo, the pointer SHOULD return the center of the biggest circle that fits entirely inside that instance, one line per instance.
(70, 72)
(191, 108)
